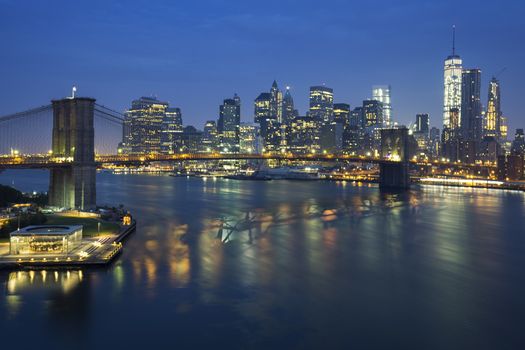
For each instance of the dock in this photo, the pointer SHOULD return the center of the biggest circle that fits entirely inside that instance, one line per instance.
(92, 252)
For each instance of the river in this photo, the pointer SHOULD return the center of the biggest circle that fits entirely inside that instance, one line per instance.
(431, 268)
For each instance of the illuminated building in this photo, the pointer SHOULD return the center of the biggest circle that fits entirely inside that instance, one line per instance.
(352, 139)
(191, 141)
(262, 110)
(434, 142)
(321, 103)
(493, 115)
(303, 136)
(372, 114)
(209, 136)
(45, 239)
(503, 128)
(271, 132)
(276, 102)
(142, 127)
(228, 125)
(342, 113)
(356, 117)
(171, 129)
(452, 84)
(331, 137)
(381, 93)
(249, 139)
(421, 130)
(471, 116)
(288, 107)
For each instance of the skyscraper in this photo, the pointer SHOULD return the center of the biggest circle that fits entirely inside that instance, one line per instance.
(452, 83)
(143, 125)
(228, 125)
(381, 93)
(422, 123)
(321, 103)
(471, 117)
(342, 113)
(262, 110)
(288, 107)
(171, 129)
(493, 115)
(276, 102)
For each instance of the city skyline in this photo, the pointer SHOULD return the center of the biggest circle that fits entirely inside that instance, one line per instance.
(416, 84)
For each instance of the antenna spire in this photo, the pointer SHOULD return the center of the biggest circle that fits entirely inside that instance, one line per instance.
(453, 40)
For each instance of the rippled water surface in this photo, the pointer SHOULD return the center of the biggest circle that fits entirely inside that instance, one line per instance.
(295, 265)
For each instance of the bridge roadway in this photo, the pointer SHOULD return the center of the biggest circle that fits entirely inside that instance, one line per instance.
(47, 162)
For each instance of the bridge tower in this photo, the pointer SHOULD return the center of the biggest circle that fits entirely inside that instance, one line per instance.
(393, 172)
(73, 137)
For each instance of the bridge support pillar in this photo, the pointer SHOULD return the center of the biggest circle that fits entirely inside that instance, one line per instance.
(394, 175)
(73, 187)
(394, 170)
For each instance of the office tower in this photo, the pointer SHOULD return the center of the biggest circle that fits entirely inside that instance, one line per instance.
(342, 113)
(143, 126)
(303, 135)
(421, 130)
(381, 93)
(228, 125)
(372, 114)
(209, 136)
(503, 129)
(191, 140)
(518, 145)
(493, 115)
(321, 103)
(249, 142)
(434, 142)
(471, 116)
(171, 128)
(276, 102)
(288, 107)
(422, 123)
(356, 117)
(262, 110)
(452, 84)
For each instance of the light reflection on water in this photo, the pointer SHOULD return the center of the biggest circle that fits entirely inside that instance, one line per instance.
(425, 268)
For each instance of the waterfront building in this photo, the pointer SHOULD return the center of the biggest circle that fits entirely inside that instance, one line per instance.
(331, 137)
(452, 85)
(471, 109)
(342, 113)
(321, 103)
(381, 93)
(191, 141)
(493, 114)
(45, 239)
(352, 139)
(143, 125)
(228, 124)
(510, 167)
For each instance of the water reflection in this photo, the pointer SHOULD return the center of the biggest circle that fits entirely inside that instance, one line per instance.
(290, 264)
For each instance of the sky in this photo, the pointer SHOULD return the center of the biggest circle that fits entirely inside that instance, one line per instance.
(196, 53)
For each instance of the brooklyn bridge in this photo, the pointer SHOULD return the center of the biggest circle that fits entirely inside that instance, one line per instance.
(72, 158)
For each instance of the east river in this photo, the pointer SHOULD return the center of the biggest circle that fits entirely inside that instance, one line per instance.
(432, 268)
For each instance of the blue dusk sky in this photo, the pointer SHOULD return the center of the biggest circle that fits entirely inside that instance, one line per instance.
(196, 53)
